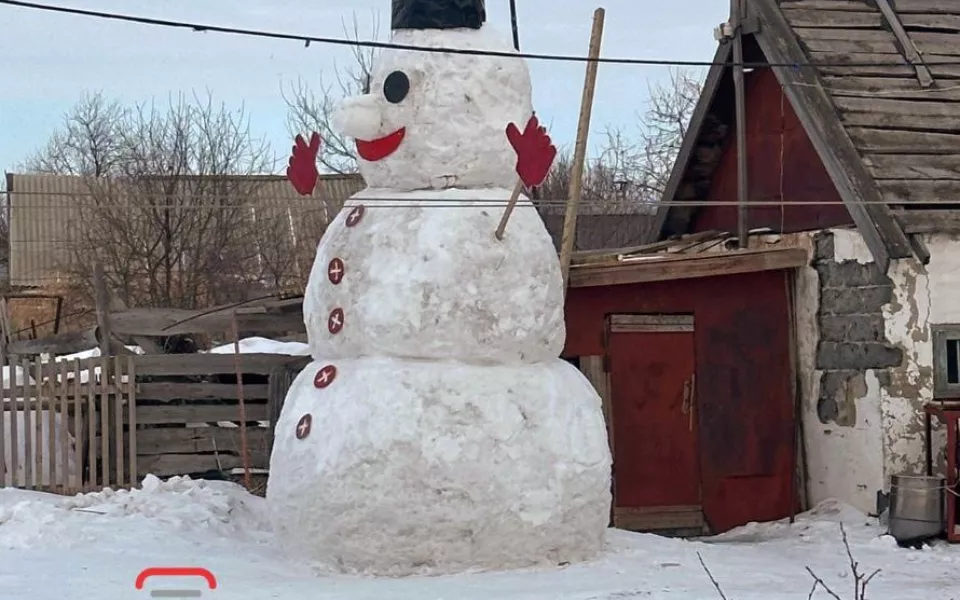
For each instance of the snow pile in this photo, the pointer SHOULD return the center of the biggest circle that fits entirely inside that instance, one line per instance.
(73, 554)
(178, 506)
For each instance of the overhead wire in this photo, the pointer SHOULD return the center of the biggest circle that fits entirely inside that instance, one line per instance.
(247, 201)
(307, 40)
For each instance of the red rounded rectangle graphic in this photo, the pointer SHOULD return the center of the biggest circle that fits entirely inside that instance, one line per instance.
(157, 572)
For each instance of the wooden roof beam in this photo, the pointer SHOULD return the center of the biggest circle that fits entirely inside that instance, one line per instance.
(817, 114)
(910, 51)
(686, 266)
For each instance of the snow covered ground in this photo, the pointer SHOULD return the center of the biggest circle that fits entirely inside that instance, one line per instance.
(93, 546)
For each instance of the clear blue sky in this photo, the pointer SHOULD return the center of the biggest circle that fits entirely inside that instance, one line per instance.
(49, 60)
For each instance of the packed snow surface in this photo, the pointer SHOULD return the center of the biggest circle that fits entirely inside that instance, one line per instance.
(455, 467)
(94, 546)
(433, 283)
(454, 116)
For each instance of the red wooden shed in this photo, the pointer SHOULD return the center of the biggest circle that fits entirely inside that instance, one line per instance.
(692, 356)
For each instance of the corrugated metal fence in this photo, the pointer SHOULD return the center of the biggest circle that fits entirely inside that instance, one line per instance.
(48, 214)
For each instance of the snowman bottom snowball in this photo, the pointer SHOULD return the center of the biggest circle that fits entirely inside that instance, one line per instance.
(413, 467)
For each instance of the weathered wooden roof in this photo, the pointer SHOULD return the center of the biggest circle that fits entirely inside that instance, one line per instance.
(881, 106)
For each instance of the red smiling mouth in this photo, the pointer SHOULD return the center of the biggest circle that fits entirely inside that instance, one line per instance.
(380, 148)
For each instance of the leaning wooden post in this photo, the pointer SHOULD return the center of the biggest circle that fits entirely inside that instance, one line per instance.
(736, 17)
(107, 418)
(580, 151)
(102, 299)
(244, 451)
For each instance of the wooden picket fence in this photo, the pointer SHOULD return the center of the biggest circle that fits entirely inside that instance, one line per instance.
(69, 426)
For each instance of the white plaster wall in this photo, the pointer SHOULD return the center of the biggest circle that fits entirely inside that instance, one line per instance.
(851, 464)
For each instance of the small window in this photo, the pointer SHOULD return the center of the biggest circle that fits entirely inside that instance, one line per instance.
(946, 361)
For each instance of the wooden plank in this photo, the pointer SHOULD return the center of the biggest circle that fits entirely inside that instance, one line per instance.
(79, 421)
(901, 108)
(910, 51)
(932, 7)
(884, 113)
(929, 221)
(167, 391)
(132, 419)
(884, 48)
(889, 141)
(51, 418)
(870, 58)
(876, 41)
(690, 140)
(118, 419)
(929, 39)
(892, 88)
(658, 518)
(877, 66)
(188, 440)
(165, 465)
(651, 323)
(842, 5)
(207, 364)
(740, 121)
(816, 112)
(16, 391)
(865, 19)
(688, 267)
(166, 322)
(155, 415)
(913, 166)
(105, 415)
(91, 426)
(64, 427)
(64, 343)
(37, 418)
(102, 300)
(848, 18)
(920, 191)
(4, 415)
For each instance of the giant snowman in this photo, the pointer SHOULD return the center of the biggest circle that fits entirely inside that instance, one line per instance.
(437, 430)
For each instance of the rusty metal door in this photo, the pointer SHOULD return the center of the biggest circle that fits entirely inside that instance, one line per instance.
(656, 472)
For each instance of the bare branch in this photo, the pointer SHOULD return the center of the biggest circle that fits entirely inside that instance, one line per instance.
(309, 110)
(712, 579)
(860, 581)
(168, 200)
(819, 582)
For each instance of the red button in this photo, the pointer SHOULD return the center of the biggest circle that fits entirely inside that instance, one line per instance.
(335, 271)
(304, 426)
(325, 377)
(335, 321)
(355, 215)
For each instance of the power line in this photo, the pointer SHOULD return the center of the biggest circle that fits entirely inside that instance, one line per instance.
(312, 204)
(307, 40)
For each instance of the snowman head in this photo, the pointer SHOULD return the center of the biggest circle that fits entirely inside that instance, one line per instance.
(435, 120)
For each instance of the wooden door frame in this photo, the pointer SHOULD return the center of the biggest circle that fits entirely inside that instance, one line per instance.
(686, 520)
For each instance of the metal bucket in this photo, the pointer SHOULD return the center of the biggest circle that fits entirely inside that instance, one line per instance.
(916, 508)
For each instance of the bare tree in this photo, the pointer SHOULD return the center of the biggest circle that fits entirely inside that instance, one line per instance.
(664, 126)
(624, 181)
(168, 199)
(310, 111)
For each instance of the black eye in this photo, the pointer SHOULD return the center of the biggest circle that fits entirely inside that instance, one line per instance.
(396, 87)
